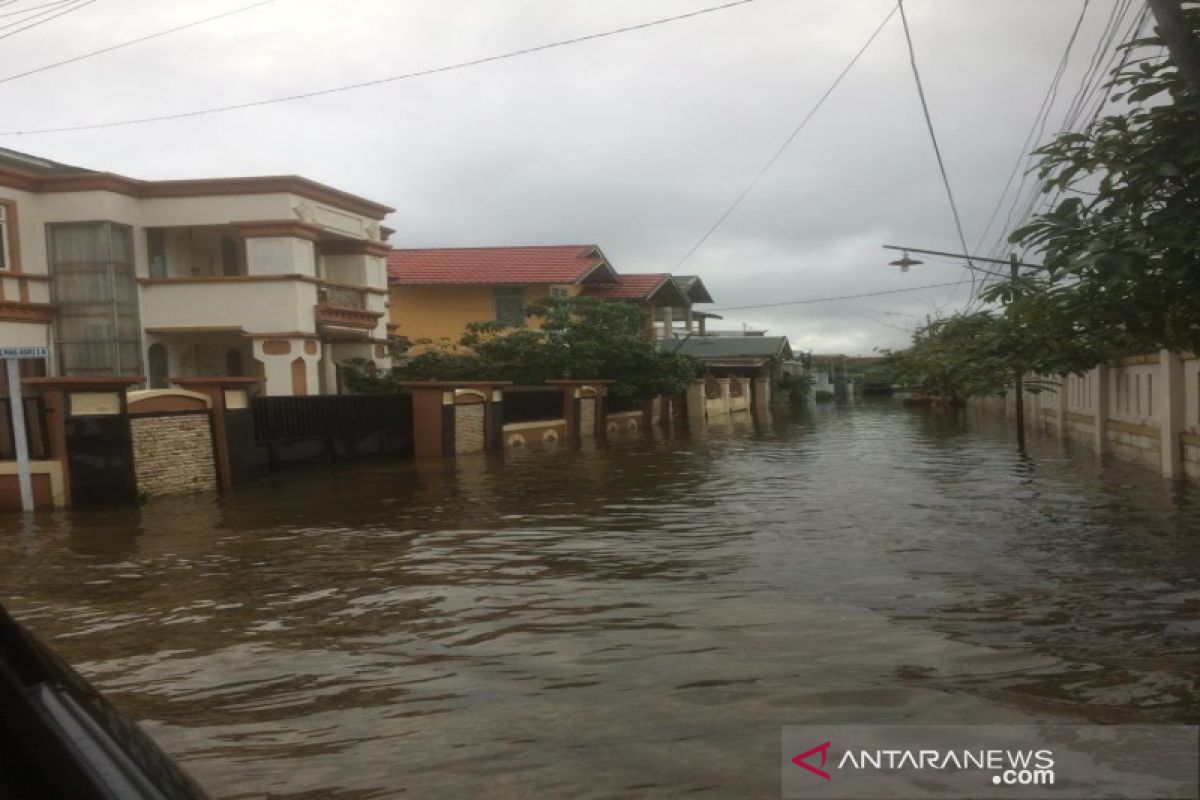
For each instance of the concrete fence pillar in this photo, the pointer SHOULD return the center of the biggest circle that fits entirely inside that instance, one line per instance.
(1102, 398)
(1061, 408)
(1171, 420)
(695, 404)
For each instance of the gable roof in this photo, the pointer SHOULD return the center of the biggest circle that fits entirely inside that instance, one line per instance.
(710, 348)
(657, 286)
(516, 266)
(694, 288)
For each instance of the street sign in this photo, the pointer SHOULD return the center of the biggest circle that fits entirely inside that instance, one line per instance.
(10, 356)
(24, 352)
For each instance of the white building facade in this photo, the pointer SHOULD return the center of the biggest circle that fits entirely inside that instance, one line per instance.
(279, 278)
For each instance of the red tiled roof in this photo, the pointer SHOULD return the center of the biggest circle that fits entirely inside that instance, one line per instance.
(633, 286)
(519, 266)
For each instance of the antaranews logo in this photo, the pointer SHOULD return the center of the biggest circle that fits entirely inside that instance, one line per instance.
(802, 759)
(1010, 767)
(1033, 762)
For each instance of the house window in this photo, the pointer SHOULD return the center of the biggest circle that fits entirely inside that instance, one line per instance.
(156, 249)
(510, 305)
(5, 258)
(156, 357)
(93, 285)
(233, 363)
(559, 292)
(230, 256)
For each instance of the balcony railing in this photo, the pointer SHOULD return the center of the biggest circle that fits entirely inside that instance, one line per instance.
(341, 297)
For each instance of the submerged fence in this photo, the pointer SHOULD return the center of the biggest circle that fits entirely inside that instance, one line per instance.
(300, 431)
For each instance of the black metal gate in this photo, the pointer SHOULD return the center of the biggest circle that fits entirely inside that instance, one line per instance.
(100, 460)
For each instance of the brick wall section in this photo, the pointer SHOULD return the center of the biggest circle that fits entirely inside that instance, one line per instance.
(587, 417)
(173, 454)
(468, 428)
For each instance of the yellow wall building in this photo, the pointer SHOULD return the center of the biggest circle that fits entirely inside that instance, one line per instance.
(436, 293)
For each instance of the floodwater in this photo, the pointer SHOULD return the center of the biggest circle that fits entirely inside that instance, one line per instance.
(636, 621)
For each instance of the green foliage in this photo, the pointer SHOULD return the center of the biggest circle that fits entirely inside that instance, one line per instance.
(578, 338)
(1038, 332)
(798, 386)
(824, 396)
(1123, 243)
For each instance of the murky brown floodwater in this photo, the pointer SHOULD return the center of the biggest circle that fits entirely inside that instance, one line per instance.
(636, 621)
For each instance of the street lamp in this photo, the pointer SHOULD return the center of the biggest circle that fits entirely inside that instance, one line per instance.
(905, 262)
(1014, 266)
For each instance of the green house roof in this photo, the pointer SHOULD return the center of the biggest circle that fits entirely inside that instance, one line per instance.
(707, 348)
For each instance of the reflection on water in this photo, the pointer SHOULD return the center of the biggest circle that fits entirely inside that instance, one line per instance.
(637, 620)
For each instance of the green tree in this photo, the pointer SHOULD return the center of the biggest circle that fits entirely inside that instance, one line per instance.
(1038, 332)
(578, 337)
(1123, 240)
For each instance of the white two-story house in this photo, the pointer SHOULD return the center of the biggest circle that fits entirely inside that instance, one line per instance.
(280, 278)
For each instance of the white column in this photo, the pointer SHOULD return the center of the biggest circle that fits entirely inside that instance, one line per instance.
(1171, 418)
(1102, 393)
(1063, 397)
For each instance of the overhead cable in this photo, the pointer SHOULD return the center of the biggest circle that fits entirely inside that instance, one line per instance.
(786, 143)
(842, 297)
(378, 81)
(132, 42)
(42, 18)
(937, 151)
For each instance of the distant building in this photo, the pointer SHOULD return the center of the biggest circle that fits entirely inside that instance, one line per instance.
(760, 358)
(437, 292)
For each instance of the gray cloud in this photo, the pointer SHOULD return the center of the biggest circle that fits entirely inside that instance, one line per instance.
(635, 142)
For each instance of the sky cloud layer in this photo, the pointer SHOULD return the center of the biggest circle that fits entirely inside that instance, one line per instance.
(636, 142)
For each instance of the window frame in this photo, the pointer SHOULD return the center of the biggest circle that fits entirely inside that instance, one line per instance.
(10, 239)
(507, 293)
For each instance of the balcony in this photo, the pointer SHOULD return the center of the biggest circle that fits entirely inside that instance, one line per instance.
(252, 304)
(342, 306)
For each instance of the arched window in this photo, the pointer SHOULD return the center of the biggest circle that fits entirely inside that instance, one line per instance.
(157, 356)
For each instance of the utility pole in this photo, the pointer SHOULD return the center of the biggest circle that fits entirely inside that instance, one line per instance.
(1018, 384)
(1174, 29)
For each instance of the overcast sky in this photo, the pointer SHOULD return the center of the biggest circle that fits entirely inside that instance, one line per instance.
(635, 142)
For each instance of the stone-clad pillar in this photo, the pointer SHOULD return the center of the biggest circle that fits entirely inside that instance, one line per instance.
(233, 425)
(575, 393)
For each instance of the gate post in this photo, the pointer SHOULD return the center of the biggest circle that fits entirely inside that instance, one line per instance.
(434, 414)
(101, 437)
(233, 426)
(575, 393)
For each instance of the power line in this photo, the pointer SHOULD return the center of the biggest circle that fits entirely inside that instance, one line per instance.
(45, 19)
(1044, 109)
(786, 143)
(378, 81)
(842, 297)
(132, 42)
(1039, 200)
(937, 151)
(34, 8)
